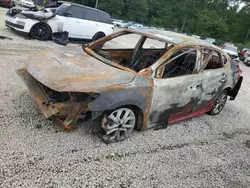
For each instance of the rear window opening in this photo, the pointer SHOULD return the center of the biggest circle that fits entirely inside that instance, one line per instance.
(132, 50)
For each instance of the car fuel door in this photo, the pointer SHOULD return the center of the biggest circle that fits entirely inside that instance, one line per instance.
(176, 88)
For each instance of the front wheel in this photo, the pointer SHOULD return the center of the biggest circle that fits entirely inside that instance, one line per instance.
(40, 31)
(118, 125)
(219, 103)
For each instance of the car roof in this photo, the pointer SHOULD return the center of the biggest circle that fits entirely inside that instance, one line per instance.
(86, 7)
(174, 38)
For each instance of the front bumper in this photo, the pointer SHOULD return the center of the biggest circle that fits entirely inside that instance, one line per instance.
(38, 93)
(66, 113)
(18, 24)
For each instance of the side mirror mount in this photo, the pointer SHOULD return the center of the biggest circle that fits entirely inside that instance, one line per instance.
(67, 14)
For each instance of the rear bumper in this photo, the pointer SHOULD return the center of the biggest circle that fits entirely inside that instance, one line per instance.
(234, 92)
(18, 24)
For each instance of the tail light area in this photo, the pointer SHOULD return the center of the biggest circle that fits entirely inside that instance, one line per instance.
(235, 65)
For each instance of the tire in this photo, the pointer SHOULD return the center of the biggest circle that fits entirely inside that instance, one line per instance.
(40, 31)
(118, 125)
(98, 36)
(219, 103)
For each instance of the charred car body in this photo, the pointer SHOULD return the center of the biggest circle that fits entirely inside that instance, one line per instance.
(132, 80)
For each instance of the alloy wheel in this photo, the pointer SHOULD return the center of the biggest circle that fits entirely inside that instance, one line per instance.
(119, 125)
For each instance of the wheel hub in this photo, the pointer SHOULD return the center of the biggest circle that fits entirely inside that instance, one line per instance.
(121, 126)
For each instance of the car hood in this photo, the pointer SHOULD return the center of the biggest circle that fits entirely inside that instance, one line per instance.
(70, 69)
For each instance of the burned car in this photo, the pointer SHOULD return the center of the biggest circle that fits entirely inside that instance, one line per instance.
(132, 80)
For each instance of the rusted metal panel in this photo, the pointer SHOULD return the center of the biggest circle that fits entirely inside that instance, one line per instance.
(38, 93)
(71, 69)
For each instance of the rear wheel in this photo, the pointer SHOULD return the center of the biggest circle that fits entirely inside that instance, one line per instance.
(219, 103)
(118, 125)
(98, 36)
(40, 31)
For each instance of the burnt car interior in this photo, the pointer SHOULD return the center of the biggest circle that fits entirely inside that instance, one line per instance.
(214, 62)
(182, 63)
(131, 50)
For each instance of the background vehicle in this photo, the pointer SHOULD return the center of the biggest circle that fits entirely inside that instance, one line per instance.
(119, 23)
(247, 59)
(79, 21)
(134, 26)
(211, 40)
(244, 53)
(196, 36)
(7, 3)
(27, 3)
(227, 44)
(231, 51)
(130, 80)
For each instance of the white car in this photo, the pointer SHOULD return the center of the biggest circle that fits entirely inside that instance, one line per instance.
(232, 51)
(27, 3)
(247, 60)
(119, 23)
(135, 26)
(79, 21)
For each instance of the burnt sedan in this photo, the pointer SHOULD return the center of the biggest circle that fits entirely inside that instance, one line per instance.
(132, 80)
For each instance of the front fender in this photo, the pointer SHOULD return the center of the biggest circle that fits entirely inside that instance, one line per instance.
(136, 93)
(113, 99)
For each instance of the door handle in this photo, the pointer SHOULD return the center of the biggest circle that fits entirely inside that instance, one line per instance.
(224, 77)
(78, 21)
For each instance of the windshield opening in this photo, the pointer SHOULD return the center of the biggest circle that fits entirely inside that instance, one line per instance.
(131, 50)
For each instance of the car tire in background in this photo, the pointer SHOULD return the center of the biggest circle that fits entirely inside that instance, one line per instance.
(40, 31)
(219, 103)
(98, 36)
(118, 124)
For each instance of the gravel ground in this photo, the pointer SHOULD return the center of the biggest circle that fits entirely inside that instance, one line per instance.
(205, 151)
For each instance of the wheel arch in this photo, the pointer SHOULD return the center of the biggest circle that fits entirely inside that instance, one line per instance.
(99, 32)
(138, 113)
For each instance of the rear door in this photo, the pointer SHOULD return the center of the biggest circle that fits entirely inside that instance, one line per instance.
(90, 23)
(73, 19)
(176, 87)
(213, 76)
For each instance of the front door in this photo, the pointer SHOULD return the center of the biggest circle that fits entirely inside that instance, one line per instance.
(73, 21)
(176, 88)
